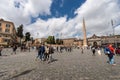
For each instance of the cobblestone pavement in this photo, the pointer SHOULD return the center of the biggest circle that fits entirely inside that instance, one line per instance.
(66, 66)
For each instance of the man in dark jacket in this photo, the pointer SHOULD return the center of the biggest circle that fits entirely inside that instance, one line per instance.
(39, 52)
(42, 51)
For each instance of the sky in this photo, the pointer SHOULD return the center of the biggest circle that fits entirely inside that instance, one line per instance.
(63, 18)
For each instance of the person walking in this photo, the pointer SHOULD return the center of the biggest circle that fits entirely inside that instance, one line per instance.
(46, 53)
(51, 51)
(93, 50)
(111, 55)
(99, 51)
(42, 51)
(14, 49)
(39, 52)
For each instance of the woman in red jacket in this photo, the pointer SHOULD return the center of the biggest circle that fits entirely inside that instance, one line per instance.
(111, 55)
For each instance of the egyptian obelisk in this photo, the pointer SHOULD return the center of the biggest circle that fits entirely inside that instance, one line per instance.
(84, 34)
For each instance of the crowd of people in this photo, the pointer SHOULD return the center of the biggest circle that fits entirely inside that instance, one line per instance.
(45, 51)
(109, 50)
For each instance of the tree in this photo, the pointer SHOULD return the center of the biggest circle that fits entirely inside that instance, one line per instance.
(27, 36)
(50, 40)
(20, 32)
(59, 41)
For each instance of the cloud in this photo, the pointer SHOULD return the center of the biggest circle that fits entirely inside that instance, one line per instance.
(21, 11)
(36, 7)
(52, 26)
(97, 14)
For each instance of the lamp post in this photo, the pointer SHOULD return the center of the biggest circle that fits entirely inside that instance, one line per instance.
(113, 27)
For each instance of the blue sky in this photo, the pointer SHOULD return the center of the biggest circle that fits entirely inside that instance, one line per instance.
(56, 17)
(61, 8)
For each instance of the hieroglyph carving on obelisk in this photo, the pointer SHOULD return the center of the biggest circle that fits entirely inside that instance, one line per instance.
(84, 34)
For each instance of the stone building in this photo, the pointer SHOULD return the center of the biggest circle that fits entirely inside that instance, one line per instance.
(93, 39)
(7, 33)
(104, 40)
(72, 42)
(111, 39)
(78, 43)
(68, 41)
(39, 41)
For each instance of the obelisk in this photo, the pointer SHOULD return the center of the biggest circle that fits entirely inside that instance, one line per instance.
(84, 34)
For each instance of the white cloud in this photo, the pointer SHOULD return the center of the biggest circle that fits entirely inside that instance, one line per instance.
(97, 14)
(45, 28)
(36, 7)
(26, 10)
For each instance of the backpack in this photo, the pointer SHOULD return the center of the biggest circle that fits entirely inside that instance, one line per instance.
(107, 51)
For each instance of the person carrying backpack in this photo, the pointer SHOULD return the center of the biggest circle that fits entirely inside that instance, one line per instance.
(110, 51)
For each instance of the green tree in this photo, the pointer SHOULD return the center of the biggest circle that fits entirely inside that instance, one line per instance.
(59, 41)
(27, 36)
(20, 32)
(50, 40)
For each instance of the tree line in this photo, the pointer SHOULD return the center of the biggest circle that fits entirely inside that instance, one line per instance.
(50, 39)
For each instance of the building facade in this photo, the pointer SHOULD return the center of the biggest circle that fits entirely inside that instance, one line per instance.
(72, 42)
(68, 41)
(104, 40)
(93, 39)
(40, 41)
(111, 39)
(7, 33)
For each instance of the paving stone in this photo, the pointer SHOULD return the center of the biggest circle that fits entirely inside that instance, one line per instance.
(67, 66)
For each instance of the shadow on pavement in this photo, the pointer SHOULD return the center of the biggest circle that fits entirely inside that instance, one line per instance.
(52, 60)
(4, 55)
(22, 73)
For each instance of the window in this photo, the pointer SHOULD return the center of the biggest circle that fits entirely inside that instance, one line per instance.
(7, 30)
(6, 40)
(7, 25)
(6, 35)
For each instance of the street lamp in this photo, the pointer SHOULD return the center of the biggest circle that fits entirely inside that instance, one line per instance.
(113, 27)
(116, 42)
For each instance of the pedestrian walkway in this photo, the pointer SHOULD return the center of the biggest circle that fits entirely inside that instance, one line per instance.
(66, 66)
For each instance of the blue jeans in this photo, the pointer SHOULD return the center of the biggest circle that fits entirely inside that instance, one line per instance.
(38, 56)
(111, 60)
(41, 56)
